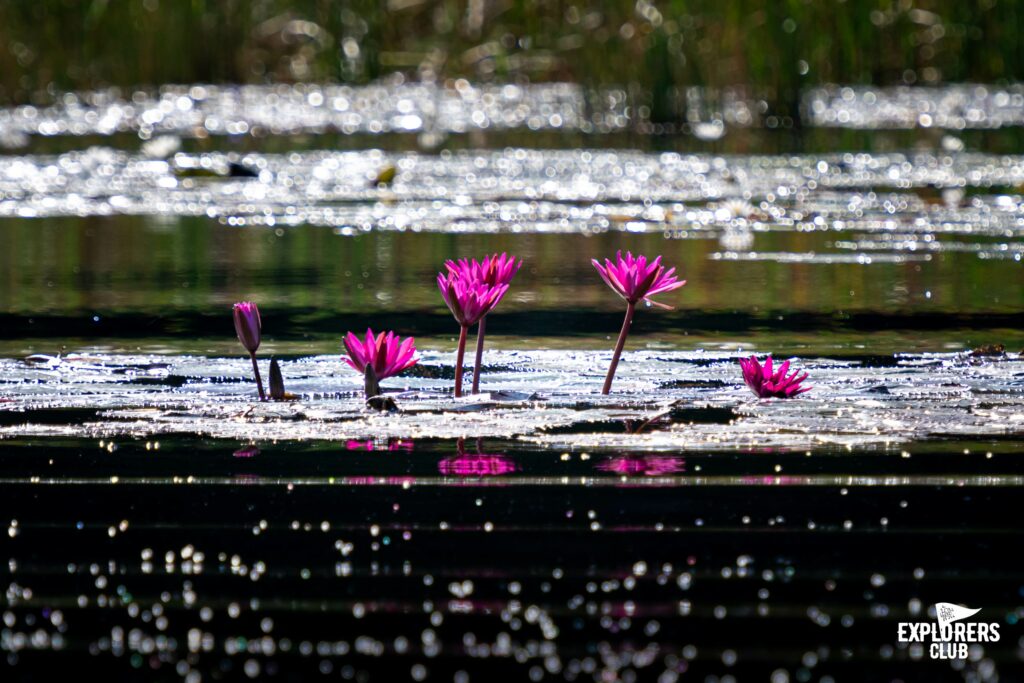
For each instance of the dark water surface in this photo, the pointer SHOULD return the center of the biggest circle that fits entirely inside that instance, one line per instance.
(389, 564)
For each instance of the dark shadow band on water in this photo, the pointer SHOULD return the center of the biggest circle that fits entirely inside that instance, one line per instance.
(174, 458)
(299, 323)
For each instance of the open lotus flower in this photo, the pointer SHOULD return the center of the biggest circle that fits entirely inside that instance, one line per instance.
(387, 353)
(494, 270)
(249, 330)
(768, 384)
(634, 278)
(469, 299)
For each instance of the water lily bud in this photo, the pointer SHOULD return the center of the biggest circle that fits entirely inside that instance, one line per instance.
(247, 325)
(277, 392)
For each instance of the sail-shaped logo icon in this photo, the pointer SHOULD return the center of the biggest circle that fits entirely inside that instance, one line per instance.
(947, 613)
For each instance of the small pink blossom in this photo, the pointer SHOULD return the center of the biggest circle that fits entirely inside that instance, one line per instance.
(386, 352)
(768, 384)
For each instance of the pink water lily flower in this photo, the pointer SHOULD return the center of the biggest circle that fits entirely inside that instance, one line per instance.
(768, 384)
(494, 270)
(386, 352)
(635, 278)
(468, 299)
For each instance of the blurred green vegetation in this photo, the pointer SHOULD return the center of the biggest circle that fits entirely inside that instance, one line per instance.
(654, 47)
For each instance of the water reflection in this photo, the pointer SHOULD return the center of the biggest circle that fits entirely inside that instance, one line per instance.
(570, 578)
(247, 452)
(643, 465)
(476, 464)
(380, 445)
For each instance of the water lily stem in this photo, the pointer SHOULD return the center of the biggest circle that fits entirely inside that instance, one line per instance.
(459, 358)
(259, 380)
(630, 309)
(479, 354)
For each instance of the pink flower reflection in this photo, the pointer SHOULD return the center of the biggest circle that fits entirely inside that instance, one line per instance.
(644, 465)
(480, 465)
(247, 452)
(380, 445)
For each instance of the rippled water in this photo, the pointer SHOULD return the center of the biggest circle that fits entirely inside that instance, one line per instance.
(953, 107)
(434, 110)
(897, 207)
(163, 524)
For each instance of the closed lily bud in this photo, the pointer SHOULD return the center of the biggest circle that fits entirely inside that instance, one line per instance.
(247, 325)
(276, 381)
